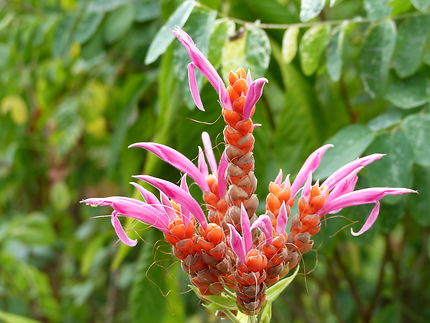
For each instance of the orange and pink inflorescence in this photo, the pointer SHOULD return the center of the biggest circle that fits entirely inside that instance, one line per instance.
(227, 246)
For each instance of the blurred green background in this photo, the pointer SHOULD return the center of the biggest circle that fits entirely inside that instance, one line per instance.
(81, 80)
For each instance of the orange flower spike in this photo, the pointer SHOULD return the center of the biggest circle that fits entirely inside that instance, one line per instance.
(238, 104)
(231, 117)
(274, 188)
(272, 203)
(232, 77)
(214, 233)
(256, 261)
(241, 73)
(240, 85)
(232, 93)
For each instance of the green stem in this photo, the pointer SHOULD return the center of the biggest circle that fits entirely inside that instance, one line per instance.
(252, 319)
(231, 316)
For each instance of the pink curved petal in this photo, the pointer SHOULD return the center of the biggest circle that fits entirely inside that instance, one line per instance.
(204, 66)
(255, 91)
(282, 219)
(177, 160)
(246, 232)
(278, 180)
(237, 244)
(369, 222)
(167, 206)
(150, 198)
(209, 152)
(179, 195)
(346, 185)
(307, 187)
(222, 175)
(119, 230)
(310, 165)
(201, 162)
(364, 196)
(184, 184)
(287, 183)
(264, 223)
(194, 88)
(338, 175)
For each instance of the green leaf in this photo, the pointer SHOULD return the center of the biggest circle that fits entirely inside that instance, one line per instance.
(386, 120)
(377, 9)
(408, 93)
(87, 26)
(310, 9)
(274, 291)
(413, 33)
(349, 143)
(395, 169)
(62, 36)
(164, 36)
(147, 10)
(375, 57)
(221, 30)
(421, 5)
(417, 129)
(418, 203)
(257, 52)
(250, 51)
(33, 230)
(107, 5)
(335, 52)
(6, 317)
(118, 22)
(312, 45)
(198, 27)
(289, 44)
(266, 314)
(60, 196)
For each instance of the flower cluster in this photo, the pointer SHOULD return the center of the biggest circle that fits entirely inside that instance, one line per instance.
(227, 246)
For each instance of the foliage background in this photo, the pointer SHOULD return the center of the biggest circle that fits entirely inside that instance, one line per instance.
(81, 80)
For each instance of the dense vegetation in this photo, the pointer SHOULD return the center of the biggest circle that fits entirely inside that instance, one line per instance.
(81, 80)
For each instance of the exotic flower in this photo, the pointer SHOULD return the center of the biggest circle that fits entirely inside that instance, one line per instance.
(227, 248)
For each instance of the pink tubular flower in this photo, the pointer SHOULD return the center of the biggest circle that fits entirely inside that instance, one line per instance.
(199, 61)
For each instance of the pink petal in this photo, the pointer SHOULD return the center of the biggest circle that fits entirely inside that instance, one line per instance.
(364, 196)
(346, 185)
(222, 177)
(286, 183)
(334, 178)
(237, 244)
(264, 223)
(167, 206)
(246, 232)
(201, 162)
(177, 160)
(248, 77)
(179, 195)
(370, 220)
(120, 231)
(278, 180)
(204, 66)
(150, 198)
(186, 214)
(194, 88)
(282, 219)
(255, 91)
(209, 152)
(307, 187)
(310, 165)
(184, 184)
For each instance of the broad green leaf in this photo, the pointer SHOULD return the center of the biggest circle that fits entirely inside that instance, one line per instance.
(310, 9)
(312, 45)
(251, 50)
(107, 5)
(399, 7)
(164, 36)
(349, 143)
(87, 26)
(33, 230)
(418, 203)
(118, 22)
(274, 291)
(375, 57)
(421, 5)
(6, 317)
(377, 9)
(386, 120)
(221, 30)
(198, 27)
(222, 301)
(426, 52)
(266, 314)
(147, 10)
(412, 33)
(335, 52)
(409, 93)
(175, 304)
(395, 169)
(63, 36)
(257, 52)
(417, 129)
(289, 44)
(89, 254)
